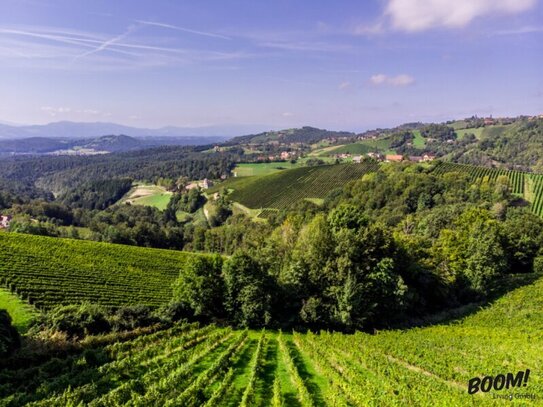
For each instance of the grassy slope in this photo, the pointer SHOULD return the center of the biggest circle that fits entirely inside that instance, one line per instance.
(478, 132)
(159, 201)
(362, 147)
(147, 195)
(482, 132)
(21, 313)
(255, 169)
(419, 141)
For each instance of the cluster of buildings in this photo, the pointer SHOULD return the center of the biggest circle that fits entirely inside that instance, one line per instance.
(205, 184)
(388, 157)
(283, 155)
(5, 221)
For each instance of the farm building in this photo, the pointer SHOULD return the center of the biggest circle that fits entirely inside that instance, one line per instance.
(5, 221)
(376, 156)
(427, 157)
(192, 185)
(393, 157)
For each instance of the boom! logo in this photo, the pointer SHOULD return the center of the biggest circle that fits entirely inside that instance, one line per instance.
(498, 382)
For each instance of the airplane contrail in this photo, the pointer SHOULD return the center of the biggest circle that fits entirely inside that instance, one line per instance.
(175, 27)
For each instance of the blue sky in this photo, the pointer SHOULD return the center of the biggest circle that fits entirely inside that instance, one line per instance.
(349, 65)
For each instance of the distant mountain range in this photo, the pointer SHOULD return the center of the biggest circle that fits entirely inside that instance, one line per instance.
(73, 138)
(75, 130)
(92, 146)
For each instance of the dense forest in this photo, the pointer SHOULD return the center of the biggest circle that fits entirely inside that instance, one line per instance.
(57, 174)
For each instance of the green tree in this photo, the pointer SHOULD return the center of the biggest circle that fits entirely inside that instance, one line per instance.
(249, 291)
(200, 286)
(472, 254)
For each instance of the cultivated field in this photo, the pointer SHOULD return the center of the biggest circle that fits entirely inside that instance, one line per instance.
(191, 365)
(50, 271)
(527, 185)
(282, 189)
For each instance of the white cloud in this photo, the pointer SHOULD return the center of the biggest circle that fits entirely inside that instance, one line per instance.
(346, 85)
(399, 80)
(53, 111)
(419, 15)
(378, 79)
(92, 112)
(287, 114)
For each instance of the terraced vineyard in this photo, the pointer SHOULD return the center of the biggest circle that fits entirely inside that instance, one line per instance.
(50, 271)
(282, 189)
(191, 365)
(534, 192)
(516, 178)
(527, 185)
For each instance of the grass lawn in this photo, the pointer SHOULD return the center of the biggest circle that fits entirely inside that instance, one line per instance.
(251, 169)
(316, 201)
(21, 313)
(419, 141)
(478, 132)
(361, 147)
(494, 131)
(321, 151)
(148, 195)
(159, 201)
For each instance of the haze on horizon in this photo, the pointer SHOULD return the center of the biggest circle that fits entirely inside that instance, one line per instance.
(353, 66)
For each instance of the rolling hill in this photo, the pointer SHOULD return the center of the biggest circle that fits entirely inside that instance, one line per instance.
(51, 271)
(193, 365)
(282, 189)
(305, 134)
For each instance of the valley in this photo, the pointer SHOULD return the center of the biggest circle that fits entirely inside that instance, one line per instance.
(299, 268)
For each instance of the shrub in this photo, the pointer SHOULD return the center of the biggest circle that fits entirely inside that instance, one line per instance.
(132, 317)
(78, 321)
(538, 265)
(9, 337)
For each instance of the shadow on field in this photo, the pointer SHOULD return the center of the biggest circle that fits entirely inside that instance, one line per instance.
(265, 385)
(52, 376)
(242, 368)
(500, 288)
(305, 375)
